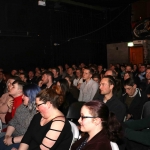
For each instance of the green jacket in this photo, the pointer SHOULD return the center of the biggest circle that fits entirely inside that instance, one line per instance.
(138, 130)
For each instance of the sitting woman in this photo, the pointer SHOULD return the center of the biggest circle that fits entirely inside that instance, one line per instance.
(100, 125)
(19, 124)
(48, 129)
(68, 96)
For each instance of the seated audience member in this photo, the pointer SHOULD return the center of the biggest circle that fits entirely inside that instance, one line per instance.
(24, 114)
(62, 73)
(122, 71)
(37, 76)
(88, 88)
(100, 125)
(16, 92)
(72, 89)
(135, 70)
(78, 80)
(96, 77)
(114, 104)
(70, 73)
(6, 99)
(56, 75)
(138, 134)
(23, 77)
(117, 91)
(129, 74)
(14, 72)
(68, 97)
(134, 99)
(47, 79)
(31, 78)
(129, 68)
(145, 84)
(48, 129)
(142, 71)
(100, 69)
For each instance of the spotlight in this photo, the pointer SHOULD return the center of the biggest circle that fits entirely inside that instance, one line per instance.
(42, 2)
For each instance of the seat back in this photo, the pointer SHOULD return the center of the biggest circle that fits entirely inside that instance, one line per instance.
(75, 132)
(74, 110)
(146, 110)
(114, 145)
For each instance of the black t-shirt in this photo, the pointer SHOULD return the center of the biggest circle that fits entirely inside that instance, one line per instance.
(35, 134)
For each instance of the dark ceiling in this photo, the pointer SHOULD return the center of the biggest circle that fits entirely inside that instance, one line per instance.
(95, 4)
(69, 31)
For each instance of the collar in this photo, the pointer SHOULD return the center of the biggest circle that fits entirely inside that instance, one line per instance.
(136, 91)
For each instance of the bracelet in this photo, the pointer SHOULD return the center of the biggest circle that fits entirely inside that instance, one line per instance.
(13, 140)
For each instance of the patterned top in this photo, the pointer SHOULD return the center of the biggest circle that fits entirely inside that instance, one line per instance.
(21, 120)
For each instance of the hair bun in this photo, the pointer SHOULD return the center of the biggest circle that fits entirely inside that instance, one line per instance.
(57, 89)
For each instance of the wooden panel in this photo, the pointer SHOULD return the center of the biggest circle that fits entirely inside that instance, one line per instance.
(136, 55)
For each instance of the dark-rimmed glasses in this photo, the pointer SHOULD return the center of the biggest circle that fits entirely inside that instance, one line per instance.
(37, 105)
(82, 117)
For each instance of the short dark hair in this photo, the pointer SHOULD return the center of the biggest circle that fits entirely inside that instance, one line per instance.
(20, 83)
(96, 75)
(129, 82)
(25, 75)
(111, 80)
(49, 73)
(57, 69)
(90, 70)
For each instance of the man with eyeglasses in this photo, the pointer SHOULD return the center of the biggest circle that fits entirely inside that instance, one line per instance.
(134, 99)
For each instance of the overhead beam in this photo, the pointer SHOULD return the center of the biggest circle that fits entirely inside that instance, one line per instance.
(79, 4)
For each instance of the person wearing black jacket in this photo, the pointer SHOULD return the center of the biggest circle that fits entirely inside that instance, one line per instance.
(134, 99)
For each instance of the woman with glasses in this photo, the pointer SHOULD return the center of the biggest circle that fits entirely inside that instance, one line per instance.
(20, 122)
(48, 129)
(100, 125)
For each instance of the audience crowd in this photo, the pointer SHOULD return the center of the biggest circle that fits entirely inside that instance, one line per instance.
(116, 107)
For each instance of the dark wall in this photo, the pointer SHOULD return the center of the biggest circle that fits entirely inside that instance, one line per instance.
(46, 36)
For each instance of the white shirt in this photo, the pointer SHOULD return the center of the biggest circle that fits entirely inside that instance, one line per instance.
(88, 90)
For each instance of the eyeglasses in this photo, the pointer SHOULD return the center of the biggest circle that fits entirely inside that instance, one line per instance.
(82, 117)
(39, 104)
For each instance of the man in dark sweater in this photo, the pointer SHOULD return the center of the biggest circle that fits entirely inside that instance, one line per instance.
(107, 85)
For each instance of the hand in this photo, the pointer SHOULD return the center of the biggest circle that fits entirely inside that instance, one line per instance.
(10, 103)
(8, 140)
(78, 86)
(40, 83)
(128, 116)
